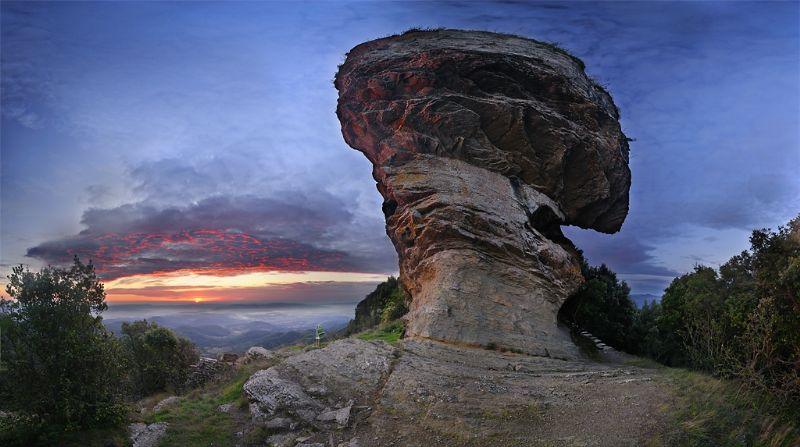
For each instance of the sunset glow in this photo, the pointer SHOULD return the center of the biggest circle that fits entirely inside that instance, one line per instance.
(202, 287)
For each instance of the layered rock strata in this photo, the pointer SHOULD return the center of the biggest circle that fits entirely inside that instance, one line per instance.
(483, 145)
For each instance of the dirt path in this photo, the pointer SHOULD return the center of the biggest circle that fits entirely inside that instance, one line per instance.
(441, 395)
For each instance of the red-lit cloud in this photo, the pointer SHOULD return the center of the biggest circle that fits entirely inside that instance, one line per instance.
(220, 236)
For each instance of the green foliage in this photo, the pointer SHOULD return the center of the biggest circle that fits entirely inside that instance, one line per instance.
(319, 332)
(195, 420)
(395, 305)
(390, 333)
(602, 305)
(159, 359)
(60, 365)
(741, 322)
(386, 303)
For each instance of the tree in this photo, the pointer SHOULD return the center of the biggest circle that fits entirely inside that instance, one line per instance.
(743, 321)
(60, 367)
(690, 330)
(159, 359)
(602, 306)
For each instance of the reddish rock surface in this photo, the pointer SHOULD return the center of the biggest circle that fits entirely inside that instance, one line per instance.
(483, 145)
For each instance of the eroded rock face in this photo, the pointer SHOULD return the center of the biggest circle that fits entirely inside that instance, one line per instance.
(318, 388)
(483, 145)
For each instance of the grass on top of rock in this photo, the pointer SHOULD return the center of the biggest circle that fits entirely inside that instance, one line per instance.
(388, 332)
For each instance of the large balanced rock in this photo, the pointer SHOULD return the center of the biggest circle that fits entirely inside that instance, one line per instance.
(483, 145)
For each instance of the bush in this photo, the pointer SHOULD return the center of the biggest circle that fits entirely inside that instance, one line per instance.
(159, 359)
(386, 303)
(60, 370)
(395, 306)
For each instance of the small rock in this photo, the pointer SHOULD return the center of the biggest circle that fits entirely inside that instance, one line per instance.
(341, 416)
(279, 423)
(164, 403)
(225, 408)
(279, 440)
(257, 352)
(318, 390)
(313, 444)
(353, 443)
(143, 435)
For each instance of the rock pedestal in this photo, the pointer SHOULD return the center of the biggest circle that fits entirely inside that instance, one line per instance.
(483, 145)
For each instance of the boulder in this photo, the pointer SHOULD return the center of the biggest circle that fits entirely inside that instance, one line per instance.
(318, 388)
(274, 393)
(483, 145)
(206, 370)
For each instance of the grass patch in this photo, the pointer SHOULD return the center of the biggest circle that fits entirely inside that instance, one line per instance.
(195, 420)
(390, 332)
(716, 412)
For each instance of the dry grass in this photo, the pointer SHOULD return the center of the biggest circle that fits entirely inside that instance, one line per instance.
(710, 411)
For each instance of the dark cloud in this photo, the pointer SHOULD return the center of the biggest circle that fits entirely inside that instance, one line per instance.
(221, 235)
(624, 252)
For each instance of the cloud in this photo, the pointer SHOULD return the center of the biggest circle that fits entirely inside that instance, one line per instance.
(222, 235)
(162, 124)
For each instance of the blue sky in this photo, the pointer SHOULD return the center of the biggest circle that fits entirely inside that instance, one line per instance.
(203, 134)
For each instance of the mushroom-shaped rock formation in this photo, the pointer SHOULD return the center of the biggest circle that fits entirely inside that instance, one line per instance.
(483, 145)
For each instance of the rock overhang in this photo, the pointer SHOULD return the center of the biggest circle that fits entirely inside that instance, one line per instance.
(482, 146)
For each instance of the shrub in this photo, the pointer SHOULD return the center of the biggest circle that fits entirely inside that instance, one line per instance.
(386, 303)
(159, 359)
(60, 366)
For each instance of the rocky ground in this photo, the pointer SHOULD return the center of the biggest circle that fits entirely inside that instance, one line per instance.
(425, 393)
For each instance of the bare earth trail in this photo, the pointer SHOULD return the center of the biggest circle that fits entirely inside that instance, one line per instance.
(426, 393)
(439, 394)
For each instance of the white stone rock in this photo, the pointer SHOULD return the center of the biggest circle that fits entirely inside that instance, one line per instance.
(143, 435)
(164, 403)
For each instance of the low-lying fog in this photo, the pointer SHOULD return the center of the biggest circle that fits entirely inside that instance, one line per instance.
(234, 327)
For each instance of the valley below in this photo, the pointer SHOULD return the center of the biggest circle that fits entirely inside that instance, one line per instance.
(216, 328)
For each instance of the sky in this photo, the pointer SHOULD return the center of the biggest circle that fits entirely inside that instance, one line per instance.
(192, 150)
